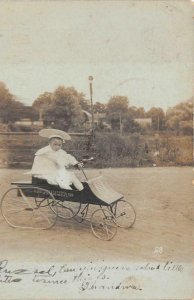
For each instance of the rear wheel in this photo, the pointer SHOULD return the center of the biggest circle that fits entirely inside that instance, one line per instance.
(124, 213)
(28, 207)
(103, 224)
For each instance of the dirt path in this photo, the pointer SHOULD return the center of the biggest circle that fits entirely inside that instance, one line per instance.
(163, 199)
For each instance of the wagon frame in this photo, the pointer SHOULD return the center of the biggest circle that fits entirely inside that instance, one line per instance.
(37, 205)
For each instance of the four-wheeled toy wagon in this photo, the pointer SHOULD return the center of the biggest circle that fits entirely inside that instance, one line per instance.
(37, 205)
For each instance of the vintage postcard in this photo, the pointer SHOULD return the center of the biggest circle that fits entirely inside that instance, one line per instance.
(96, 149)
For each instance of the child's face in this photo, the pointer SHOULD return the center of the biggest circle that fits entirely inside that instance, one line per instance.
(55, 144)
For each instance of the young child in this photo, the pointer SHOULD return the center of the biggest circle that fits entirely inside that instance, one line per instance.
(51, 162)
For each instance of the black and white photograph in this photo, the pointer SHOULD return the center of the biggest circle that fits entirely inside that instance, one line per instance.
(96, 149)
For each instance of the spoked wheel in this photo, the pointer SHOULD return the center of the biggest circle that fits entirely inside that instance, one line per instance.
(124, 213)
(66, 210)
(103, 224)
(28, 207)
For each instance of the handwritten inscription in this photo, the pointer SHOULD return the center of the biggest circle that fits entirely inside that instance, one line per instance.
(99, 280)
(86, 277)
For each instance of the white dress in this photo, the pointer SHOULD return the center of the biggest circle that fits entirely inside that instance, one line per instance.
(51, 166)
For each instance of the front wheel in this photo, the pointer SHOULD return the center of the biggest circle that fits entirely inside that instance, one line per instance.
(124, 213)
(103, 224)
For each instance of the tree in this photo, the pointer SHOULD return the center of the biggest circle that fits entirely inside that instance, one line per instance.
(42, 104)
(140, 113)
(158, 118)
(64, 109)
(99, 107)
(117, 109)
(118, 104)
(129, 125)
(134, 112)
(10, 109)
(84, 103)
(186, 127)
(179, 118)
(29, 112)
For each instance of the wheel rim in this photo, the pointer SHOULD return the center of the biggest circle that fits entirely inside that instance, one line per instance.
(28, 207)
(66, 210)
(103, 224)
(124, 213)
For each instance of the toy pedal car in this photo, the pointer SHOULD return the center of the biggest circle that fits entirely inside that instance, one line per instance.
(37, 205)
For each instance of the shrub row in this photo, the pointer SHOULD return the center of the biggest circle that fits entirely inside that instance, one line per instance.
(113, 150)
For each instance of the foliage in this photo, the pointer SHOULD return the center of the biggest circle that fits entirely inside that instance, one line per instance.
(117, 109)
(42, 103)
(117, 104)
(129, 125)
(99, 107)
(10, 109)
(186, 127)
(135, 150)
(113, 150)
(179, 118)
(29, 112)
(158, 118)
(134, 112)
(64, 109)
(169, 150)
(85, 104)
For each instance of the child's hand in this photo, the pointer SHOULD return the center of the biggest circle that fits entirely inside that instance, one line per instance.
(80, 165)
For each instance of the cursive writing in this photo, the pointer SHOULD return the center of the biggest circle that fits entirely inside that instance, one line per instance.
(85, 277)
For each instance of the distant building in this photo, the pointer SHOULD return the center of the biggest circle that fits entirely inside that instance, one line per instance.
(87, 115)
(25, 121)
(28, 122)
(99, 119)
(144, 122)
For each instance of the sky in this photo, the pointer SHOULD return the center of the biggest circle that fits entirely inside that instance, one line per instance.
(139, 49)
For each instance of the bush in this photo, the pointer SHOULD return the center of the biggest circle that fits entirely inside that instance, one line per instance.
(113, 150)
(109, 149)
(134, 150)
